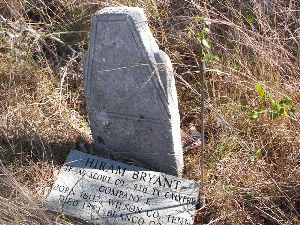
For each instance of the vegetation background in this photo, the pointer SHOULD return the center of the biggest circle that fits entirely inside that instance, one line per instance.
(251, 47)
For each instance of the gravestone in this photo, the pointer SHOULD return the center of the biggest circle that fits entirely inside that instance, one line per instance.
(130, 92)
(106, 192)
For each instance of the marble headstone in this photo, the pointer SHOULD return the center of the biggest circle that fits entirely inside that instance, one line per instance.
(130, 92)
(107, 192)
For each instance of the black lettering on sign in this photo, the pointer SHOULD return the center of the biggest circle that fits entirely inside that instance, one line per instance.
(140, 188)
(65, 200)
(106, 167)
(128, 218)
(148, 201)
(64, 189)
(127, 207)
(112, 213)
(180, 198)
(152, 214)
(156, 192)
(81, 172)
(100, 177)
(118, 193)
(119, 182)
(178, 220)
(161, 181)
(92, 207)
(90, 197)
(68, 168)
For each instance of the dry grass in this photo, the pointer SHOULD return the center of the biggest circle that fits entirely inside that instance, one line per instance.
(252, 167)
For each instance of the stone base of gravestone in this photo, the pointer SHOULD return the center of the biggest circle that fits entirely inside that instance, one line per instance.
(130, 92)
(106, 192)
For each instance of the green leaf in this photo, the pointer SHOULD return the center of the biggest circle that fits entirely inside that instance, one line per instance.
(197, 19)
(292, 111)
(203, 53)
(261, 91)
(286, 101)
(274, 115)
(215, 57)
(200, 36)
(211, 58)
(257, 154)
(283, 111)
(254, 115)
(206, 43)
(261, 110)
(274, 104)
(190, 34)
(250, 19)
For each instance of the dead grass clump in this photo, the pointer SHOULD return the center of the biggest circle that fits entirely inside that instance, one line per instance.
(17, 205)
(257, 42)
(42, 115)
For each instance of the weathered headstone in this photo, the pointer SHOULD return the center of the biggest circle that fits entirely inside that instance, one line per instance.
(106, 192)
(130, 92)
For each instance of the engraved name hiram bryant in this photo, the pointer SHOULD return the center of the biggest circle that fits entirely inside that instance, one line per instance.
(108, 192)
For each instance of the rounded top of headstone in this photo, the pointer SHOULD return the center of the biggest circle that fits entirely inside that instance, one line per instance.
(136, 13)
(120, 10)
(137, 19)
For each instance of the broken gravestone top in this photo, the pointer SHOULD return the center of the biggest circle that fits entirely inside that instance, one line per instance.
(130, 92)
(106, 192)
